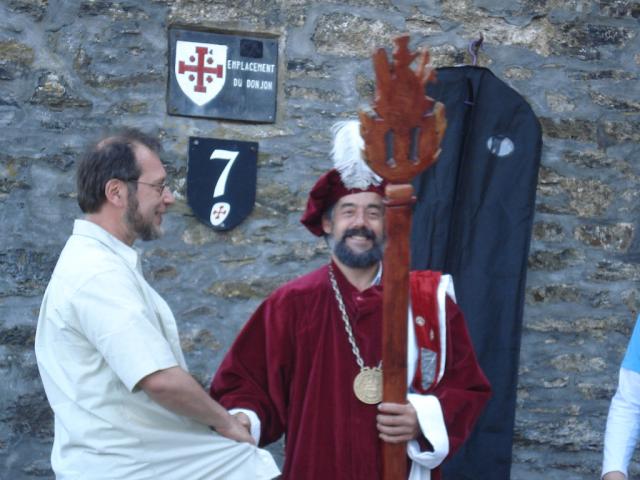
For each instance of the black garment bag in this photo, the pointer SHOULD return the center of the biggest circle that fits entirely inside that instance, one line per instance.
(473, 220)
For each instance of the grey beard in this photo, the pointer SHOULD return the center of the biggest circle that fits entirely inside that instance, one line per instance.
(358, 260)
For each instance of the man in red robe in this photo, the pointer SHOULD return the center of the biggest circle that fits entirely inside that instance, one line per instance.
(306, 364)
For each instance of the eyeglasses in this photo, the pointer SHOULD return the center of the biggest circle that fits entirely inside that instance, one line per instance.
(158, 187)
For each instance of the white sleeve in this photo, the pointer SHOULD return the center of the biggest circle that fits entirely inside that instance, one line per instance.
(256, 426)
(431, 420)
(623, 423)
(115, 318)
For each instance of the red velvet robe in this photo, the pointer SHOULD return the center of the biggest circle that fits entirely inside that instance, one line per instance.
(293, 366)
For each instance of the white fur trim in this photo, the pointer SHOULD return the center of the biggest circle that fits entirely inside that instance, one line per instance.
(347, 154)
(445, 288)
(412, 347)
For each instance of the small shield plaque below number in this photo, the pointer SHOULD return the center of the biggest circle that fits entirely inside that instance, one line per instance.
(221, 181)
(219, 213)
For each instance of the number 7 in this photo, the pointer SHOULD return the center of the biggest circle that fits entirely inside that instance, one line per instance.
(230, 156)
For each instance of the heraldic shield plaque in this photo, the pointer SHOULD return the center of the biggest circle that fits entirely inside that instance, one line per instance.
(222, 75)
(221, 181)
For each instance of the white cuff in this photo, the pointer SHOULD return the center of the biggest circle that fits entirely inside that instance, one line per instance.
(432, 425)
(255, 429)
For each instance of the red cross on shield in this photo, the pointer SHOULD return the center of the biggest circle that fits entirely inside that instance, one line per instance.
(219, 213)
(200, 70)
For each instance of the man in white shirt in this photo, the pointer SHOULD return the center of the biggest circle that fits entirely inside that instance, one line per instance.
(107, 344)
(623, 423)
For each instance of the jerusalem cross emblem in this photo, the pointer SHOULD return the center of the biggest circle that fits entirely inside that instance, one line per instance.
(200, 70)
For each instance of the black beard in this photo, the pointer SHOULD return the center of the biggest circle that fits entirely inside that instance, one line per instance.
(358, 260)
(143, 230)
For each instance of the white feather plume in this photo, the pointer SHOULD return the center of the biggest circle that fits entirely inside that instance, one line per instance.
(347, 154)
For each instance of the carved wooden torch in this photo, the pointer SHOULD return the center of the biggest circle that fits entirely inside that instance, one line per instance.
(401, 141)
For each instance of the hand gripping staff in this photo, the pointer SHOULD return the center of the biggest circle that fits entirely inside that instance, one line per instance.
(401, 140)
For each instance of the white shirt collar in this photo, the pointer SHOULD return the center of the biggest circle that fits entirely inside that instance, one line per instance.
(377, 280)
(89, 229)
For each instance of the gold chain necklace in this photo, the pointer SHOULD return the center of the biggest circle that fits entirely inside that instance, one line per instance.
(367, 385)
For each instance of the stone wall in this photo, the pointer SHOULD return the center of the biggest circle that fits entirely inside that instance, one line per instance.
(71, 69)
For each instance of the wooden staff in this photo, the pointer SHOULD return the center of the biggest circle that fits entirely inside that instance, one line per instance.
(401, 141)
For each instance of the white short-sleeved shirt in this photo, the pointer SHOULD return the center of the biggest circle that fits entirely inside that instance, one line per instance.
(102, 329)
(623, 421)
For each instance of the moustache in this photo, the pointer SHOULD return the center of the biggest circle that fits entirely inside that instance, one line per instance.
(360, 232)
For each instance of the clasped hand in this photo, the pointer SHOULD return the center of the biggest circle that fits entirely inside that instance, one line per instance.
(238, 428)
(397, 422)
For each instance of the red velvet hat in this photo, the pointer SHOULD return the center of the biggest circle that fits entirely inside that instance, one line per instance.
(350, 175)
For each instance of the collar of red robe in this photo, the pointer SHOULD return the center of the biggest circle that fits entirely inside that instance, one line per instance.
(356, 302)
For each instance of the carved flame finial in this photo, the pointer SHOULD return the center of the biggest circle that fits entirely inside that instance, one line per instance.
(404, 138)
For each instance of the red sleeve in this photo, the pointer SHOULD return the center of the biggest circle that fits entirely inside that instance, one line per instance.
(463, 390)
(257, 369)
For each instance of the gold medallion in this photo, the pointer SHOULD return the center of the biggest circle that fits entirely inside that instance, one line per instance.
(368, 385)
